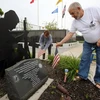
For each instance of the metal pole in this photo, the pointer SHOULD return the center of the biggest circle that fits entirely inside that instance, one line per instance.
(65, 21)
(38, 14)
(57, 18)
(61, 17)
(27, 52)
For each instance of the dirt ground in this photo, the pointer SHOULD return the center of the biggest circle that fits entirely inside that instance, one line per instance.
(78, 90)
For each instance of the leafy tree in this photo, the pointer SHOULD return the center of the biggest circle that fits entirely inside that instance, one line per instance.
(1, 12)
(51, 25)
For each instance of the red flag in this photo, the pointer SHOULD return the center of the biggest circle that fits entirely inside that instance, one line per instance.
(31, 1)
(41, 52)
(56, 58)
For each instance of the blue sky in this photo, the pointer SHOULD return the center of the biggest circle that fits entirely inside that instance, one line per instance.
(24, 9)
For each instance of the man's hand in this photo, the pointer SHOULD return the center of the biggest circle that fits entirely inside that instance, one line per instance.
(98, 43)
(41, 52)
(58, 44)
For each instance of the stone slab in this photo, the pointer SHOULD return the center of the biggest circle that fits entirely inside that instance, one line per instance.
(37, 94)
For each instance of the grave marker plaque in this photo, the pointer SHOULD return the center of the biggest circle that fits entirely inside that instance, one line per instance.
(24, 78)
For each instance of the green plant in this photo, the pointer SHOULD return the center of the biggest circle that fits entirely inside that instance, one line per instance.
(68, 62)
(87, 97)
(53, 87)
(72, 64)
(52, 92)
(50, 58)
(51, 25)
(81, 41)
(1, 12)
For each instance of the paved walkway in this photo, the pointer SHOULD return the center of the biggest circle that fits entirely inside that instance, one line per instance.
(74, 51)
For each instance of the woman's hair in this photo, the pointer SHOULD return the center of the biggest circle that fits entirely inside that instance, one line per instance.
(74, 5)
(47, 32)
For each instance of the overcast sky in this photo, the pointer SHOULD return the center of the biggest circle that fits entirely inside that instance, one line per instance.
(24, 9)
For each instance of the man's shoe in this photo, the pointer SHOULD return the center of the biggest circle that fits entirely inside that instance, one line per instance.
(78, 78)
(97, 85)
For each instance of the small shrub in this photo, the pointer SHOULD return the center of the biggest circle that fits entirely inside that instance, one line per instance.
(71, 63)
(68, 62)
(50, 58)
